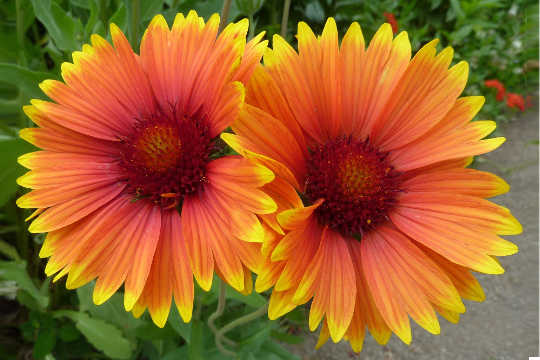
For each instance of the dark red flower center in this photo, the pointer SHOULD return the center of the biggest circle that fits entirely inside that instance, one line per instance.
(357, 183)
(165, 157)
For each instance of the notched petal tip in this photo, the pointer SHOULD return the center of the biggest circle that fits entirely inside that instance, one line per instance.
(160, 22)
(115, 30)
(130, 300)
(47, 85)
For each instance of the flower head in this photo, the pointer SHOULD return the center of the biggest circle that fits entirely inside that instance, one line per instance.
(129, 184)
(389, 221)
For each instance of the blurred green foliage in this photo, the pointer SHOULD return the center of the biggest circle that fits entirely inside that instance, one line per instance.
(498, 38)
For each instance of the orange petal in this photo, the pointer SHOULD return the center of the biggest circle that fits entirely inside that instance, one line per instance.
(377, 75)
(296, 266)
(431, 279)
(70, 211)
(227, 107)
(451, 316)
(145, 247)
(365, 311)
(170, 259)
(385, 287)
(198, 245)
(451, 138)
(423, 96)
(244, 147)
(324, 335)
(271, 138)
(253, 53)
(68, 244)
(465, 282)
(284, 65)
(138, 241)
(335, 293)
(285, 197)
(280, 303)
(63, 161)
(458, 181)
(263, 92)
(296, 218)
(54, 137)
(247, 197)
(44, 198)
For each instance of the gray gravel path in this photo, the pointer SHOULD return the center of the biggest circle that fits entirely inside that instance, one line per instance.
(505, 325)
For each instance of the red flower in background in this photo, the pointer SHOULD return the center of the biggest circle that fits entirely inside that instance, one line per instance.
(392, 21)
(515, 101)
(496, 84)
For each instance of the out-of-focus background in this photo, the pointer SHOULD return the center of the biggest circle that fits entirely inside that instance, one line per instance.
(40, 320)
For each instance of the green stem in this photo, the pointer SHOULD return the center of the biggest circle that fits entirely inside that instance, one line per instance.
(224, 14)
(103, 12)
(235, 323)
(20, 32)
(219, 311)
(22, 235)
(8, 229)
(135, 15)
(251, 31)
(285, 18)
(198, 308)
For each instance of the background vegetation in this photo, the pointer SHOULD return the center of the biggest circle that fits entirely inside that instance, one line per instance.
(41, 320)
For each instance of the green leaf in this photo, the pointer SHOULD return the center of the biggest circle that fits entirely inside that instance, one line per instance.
(65, 31)
(249, 7)
(456, 6)
(14, 270)
(287, 338)
(9, 251)
(178, 353)
(462, 33)
(112, 310)
(24, 298)
(104, 337)
(297, 316)
(9, 169)
(45, 342)
(85, 4)
(253, 343)
(255, 300)
(93, 22)
(149, 331)
(195, 347)
(149, 8)
(120, 17)
(183, 329)
(8, 47)
(10, 108)
(209, 7)
(68, 333)
(25, 79)
(279, 350)
(101, 334)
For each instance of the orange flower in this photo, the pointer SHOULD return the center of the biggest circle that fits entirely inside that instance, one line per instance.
(496, 84)
(392, 21)
(515, 101)
(389, 221)
(127, 185)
